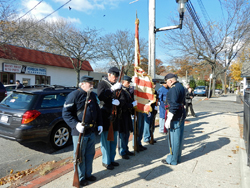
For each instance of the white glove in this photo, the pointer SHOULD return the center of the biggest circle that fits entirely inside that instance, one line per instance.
(134, 103)
(159, 103)
(132, 117)
(115, 102)
(79, 127)
(100, 129)
(168, 121)
(149, 114)
(116, 86)
(156, 108)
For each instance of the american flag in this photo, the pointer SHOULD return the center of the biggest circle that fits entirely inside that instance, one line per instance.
(143, 85)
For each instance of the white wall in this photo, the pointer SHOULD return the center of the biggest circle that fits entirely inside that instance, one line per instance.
(28, 76)
(63, 76)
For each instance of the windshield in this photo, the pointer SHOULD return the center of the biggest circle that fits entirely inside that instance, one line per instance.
(200, 87)
(17, 100)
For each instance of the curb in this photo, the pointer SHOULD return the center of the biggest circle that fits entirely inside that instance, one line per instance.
(54, 174)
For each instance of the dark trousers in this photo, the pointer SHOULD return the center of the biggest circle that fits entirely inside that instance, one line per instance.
(190, 105)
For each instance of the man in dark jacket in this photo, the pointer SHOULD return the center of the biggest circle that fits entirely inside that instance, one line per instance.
(189, 97)
(72, 114)
(19, 85)
(125, 123)
(175, 118)
(106, 92)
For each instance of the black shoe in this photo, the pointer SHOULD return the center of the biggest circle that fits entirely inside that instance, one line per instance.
(109, 167)
(84, 182)
(129, 153)
(142, 148)
(114, 164)
(125, 156)
(164, 162)
(91, 178)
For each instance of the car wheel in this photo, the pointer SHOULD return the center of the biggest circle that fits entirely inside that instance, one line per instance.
(60, 136)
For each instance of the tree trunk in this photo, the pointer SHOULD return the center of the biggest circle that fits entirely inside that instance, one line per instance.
(78, 77)
(214, 80)
(225, 86)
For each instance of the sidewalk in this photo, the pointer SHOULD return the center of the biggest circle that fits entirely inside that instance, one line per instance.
(213, 156)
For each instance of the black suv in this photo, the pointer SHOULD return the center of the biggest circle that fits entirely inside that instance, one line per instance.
(35, 114)
(3, 92)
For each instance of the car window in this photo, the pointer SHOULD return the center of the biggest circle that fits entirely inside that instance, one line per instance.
(10, 88)
(18, 100)
(55, 100)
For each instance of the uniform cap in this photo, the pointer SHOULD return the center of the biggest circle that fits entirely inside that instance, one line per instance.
(154, 80)
(86, 78)
(170, 75)
(127, 78)
(114, 70)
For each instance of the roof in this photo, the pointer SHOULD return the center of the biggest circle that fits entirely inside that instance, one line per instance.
(39, 57)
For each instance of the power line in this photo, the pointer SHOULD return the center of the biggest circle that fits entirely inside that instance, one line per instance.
(49, 14)
(203, 10)
(30, 10)
(196, 20)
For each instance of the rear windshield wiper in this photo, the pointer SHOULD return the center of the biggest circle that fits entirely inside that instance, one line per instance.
(5, 104)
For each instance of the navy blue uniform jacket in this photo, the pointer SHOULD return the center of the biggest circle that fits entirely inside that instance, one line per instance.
(106, 95)
(176, 100)
(74, 103)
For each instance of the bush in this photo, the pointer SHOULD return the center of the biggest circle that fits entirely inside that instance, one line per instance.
(201, 83)
(192, 84)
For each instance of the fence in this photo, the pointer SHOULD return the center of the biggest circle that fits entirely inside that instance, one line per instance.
(246, 128)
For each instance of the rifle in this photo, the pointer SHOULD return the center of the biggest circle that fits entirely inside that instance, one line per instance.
(77, 159)
(110, 136)
(152, 126)
(136, 148)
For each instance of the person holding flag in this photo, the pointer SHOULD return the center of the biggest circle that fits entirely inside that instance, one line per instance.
(143, 94)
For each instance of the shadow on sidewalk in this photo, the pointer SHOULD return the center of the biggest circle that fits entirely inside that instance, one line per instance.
(200, 144)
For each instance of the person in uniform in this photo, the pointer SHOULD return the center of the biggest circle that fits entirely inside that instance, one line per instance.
(175, 118)
(72, 114)
(162, 95)
(106, 93)
(149, 120)
(125, 124)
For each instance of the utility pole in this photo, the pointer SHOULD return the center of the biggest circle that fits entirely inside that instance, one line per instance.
(152, 30)
(151, 39)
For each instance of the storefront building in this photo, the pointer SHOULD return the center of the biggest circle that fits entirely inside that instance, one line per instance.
(34, 67)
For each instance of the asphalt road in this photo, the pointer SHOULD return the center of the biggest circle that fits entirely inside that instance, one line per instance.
(20, 157)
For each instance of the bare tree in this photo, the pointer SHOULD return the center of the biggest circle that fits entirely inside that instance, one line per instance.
(228, 36)
(119, 48)
(7, 14)
(82, 45)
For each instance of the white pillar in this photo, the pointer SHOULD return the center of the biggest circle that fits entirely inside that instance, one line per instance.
(151, 39)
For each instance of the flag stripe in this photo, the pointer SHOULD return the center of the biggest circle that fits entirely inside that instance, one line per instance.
(148, 96)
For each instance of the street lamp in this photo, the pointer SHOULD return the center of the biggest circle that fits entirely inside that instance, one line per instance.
(181, 10)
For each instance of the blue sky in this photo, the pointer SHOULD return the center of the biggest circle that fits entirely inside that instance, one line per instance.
(113, 15)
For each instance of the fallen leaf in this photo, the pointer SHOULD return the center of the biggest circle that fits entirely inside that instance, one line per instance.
(209, 171)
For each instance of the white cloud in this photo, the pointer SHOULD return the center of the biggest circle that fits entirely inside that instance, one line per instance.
(41, 11)
(89, 5)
